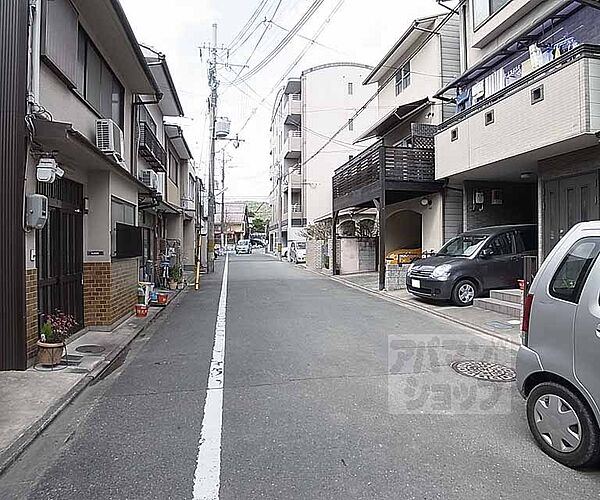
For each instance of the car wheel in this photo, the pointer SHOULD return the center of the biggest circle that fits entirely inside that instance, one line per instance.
(464, 293)
(563, 425)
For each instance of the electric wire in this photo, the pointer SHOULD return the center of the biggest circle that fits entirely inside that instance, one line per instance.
(246, 27)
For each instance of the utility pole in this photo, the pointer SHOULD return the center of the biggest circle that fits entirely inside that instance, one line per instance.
(280, 214)
(223, 228)
(213, 83)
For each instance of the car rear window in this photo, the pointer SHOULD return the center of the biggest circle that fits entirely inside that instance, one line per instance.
(571, 275)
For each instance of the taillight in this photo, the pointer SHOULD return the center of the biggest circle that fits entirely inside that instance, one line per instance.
(526, 317)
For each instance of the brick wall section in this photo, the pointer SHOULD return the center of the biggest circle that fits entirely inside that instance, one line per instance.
(124, 282)
(96, 293)
(31, 290)
(109, 291)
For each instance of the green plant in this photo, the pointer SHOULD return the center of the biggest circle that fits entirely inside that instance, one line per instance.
(175, 273)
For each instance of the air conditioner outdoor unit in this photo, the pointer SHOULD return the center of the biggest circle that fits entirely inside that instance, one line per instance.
(150, 179)
(160, 189)
(109, 138)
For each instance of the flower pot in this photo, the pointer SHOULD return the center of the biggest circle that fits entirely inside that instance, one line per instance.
(49, 354)
(173, 285)
(141, 310)
(521, 284)
(162, 298)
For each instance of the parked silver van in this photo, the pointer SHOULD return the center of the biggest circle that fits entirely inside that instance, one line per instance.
(558, 364)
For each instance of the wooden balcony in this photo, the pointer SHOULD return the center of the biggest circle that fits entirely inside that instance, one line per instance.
(151, 150)
(391, 174)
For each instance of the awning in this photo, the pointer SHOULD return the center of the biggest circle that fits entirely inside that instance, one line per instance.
(393, 119)
(175, 135)
(74, 149)
(166, 208)
(170, 105)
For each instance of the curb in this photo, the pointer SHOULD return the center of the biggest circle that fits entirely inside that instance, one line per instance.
(416, 307)
(12, 453)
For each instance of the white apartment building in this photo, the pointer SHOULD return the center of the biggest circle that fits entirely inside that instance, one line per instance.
(523, 143)
(307, 112)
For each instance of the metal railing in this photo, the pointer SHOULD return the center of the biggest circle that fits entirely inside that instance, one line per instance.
(393, 163)
(151, 149)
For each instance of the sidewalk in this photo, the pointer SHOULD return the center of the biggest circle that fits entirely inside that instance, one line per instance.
(31, 399)
(487, 322)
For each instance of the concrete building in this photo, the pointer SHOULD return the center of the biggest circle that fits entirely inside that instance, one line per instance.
(83, 103)
(395, 174)
(522, 143)
(307, 111)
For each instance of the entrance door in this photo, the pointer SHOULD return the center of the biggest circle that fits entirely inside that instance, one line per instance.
(567, 202)
(60, 251)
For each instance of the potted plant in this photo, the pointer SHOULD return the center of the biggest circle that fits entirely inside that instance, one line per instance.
(174, 277)
(54, 331)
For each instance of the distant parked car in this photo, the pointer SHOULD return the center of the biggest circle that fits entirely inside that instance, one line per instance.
(474, 263)
(557, 363)
(243, 246)
(298, 252)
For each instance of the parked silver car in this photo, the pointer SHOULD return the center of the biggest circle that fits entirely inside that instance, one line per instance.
(297, 252)
(558, 367)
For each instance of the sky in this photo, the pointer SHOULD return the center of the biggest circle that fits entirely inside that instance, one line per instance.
(358, 31)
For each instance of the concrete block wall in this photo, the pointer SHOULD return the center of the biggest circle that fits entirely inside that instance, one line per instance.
(124, 282)
(395, 277)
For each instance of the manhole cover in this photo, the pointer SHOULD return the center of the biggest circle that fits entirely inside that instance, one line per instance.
(90, 349)
(484, 370)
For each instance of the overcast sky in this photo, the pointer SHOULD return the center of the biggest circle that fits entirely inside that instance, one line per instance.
(360, 31)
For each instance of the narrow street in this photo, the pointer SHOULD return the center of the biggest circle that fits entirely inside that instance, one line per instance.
(312, 406)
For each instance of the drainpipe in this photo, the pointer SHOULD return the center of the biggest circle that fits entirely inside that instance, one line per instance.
(35, 27)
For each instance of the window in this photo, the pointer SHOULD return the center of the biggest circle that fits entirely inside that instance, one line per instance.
(567, 284)
(503, 244)
(482, 9)
(529, 240)
(537, 94)
(350, 88)
(403, 78)
(351, 124)
(191, 187)
(454, 134)
(489, 118)
(173, 168)
(121, 213)
(96, 83)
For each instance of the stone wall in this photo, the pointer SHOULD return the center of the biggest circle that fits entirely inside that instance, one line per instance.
(31, 290)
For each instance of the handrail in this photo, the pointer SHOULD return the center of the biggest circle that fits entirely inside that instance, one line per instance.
(150, 145)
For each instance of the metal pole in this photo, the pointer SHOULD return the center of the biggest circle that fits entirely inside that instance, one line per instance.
(213, 83)
(223, 228)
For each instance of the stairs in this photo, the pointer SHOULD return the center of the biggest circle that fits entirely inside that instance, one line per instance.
(508, 302)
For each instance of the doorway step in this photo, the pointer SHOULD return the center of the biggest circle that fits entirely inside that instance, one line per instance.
(508, 302)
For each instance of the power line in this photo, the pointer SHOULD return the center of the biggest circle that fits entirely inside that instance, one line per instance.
(249, 23)
(301, 22)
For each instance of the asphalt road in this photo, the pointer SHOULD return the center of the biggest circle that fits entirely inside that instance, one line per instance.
(329, 393)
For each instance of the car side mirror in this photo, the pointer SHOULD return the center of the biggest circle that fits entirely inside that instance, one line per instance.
(486, 253)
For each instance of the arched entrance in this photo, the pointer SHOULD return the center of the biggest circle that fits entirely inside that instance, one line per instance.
(404, 230)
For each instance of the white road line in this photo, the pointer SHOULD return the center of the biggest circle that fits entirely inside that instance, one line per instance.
(208, 465)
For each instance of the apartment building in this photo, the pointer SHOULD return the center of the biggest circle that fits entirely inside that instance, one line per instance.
(522, 143)
(307, 112)
(395, 174)
(78, 79)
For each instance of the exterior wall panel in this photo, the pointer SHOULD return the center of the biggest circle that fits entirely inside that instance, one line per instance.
(13, 88)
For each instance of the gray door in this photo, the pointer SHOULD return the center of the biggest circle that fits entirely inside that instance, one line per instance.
(567, 202)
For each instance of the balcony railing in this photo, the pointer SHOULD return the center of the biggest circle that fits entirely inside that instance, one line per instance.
(293, 144)
(150, 148)
(382, 163)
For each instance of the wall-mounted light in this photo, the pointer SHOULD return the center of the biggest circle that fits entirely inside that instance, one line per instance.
(525, 176)
(86, 205)
(426, 202)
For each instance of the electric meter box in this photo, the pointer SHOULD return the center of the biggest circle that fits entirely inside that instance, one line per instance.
(37, 211)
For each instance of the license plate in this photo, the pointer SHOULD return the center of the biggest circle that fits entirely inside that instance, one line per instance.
(415, 283)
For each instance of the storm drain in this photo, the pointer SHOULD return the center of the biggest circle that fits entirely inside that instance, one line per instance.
(90, 349)
(484, 370)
